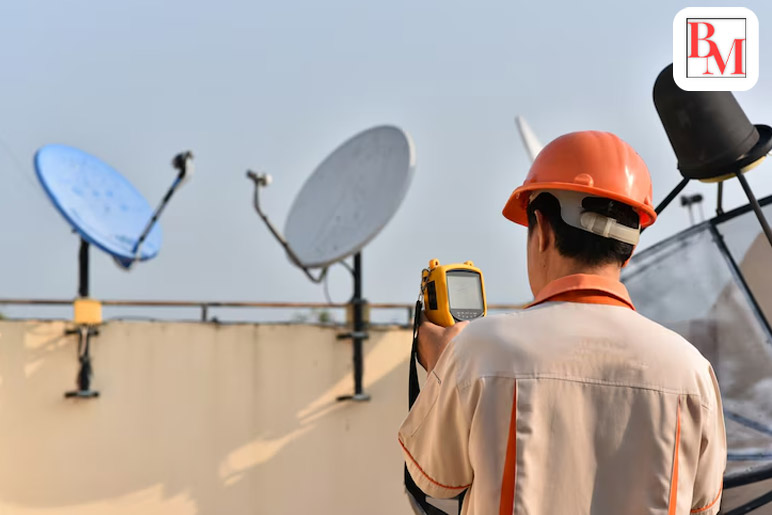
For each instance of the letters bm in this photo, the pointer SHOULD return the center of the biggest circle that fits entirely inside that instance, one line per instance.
(713, 51)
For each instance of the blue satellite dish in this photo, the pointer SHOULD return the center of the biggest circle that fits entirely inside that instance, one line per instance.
(98, 202)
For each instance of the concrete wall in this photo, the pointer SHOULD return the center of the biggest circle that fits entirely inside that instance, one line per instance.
(204, 419)
(200, 418)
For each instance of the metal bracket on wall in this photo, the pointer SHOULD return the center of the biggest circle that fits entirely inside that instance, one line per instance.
(85, 373)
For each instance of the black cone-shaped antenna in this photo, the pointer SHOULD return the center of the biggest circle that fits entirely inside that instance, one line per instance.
(710, 134)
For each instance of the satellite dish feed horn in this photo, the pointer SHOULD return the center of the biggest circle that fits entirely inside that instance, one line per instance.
(712, 138)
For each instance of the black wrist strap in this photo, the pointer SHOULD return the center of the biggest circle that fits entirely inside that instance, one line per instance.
(414, 387)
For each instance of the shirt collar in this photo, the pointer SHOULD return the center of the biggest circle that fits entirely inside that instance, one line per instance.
(584, 288)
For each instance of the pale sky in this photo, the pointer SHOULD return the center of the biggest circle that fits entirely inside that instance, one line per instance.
(276, 86)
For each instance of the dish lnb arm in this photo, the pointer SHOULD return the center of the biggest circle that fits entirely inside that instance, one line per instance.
(182, 162)
(262, 180)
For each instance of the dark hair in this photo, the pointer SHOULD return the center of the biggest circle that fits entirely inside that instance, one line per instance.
(585, 247)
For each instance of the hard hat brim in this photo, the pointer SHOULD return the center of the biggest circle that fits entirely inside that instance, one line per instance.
(516, 207)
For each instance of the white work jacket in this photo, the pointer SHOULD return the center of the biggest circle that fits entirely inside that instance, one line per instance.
(576, 405)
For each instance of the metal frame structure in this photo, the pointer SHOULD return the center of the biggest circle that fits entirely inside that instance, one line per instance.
(713, 225)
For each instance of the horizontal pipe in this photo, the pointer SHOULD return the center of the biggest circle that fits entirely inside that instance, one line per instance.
(228, 304)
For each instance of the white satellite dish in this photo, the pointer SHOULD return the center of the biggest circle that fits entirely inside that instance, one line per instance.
(343, 205)
(347, 200)
(350, 196)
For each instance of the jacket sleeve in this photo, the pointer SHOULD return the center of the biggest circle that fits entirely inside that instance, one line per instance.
(435, 435)
(708, 484)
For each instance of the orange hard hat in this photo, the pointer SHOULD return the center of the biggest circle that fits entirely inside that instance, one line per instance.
(597, 163)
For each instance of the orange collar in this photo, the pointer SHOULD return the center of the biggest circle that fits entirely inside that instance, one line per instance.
(585, 288)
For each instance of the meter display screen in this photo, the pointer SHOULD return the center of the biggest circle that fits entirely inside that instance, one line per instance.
(464, 290)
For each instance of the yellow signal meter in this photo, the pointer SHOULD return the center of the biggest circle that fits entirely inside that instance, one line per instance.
(452, 293)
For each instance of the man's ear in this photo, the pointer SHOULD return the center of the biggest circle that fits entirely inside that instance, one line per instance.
(545, 236)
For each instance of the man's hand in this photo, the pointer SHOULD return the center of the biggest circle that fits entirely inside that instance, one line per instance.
(432, 340)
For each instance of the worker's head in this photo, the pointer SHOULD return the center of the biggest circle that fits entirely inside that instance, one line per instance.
(584, 201)
(556, 248)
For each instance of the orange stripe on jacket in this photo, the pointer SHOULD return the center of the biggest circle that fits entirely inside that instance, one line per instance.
(507, 503)
(709, 506)
(674, 478)
(427, 476)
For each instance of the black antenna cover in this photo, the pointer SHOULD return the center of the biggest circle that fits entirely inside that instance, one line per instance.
(709, 132)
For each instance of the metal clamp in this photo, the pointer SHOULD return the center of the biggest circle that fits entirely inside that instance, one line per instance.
(86, 370)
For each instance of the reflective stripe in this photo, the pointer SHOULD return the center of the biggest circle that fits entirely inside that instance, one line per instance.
(507, 502)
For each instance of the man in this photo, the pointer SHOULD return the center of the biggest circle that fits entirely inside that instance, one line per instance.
(577, 404)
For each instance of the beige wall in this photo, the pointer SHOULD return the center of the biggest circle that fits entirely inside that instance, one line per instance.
(203, 419)
(200, 418)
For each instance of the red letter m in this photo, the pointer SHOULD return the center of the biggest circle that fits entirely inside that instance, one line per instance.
(737, 47)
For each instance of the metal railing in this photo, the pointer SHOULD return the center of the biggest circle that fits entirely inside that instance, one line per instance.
(205, 306)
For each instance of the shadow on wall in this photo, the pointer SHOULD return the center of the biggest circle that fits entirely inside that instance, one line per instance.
(201, 419)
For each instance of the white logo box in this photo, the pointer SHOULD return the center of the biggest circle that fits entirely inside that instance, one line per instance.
(726, 37)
